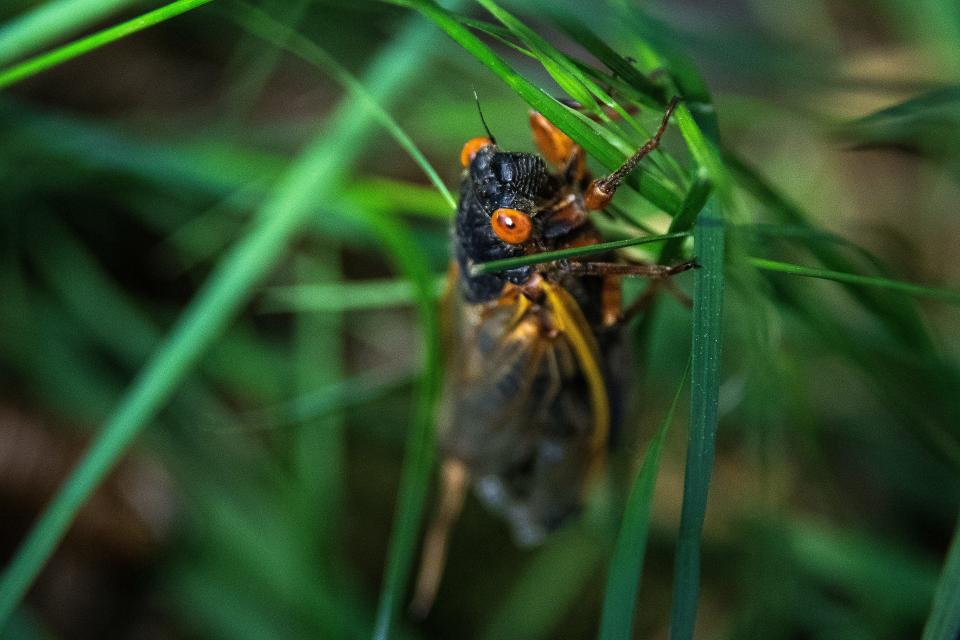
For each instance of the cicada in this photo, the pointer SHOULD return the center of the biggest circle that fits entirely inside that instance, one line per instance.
(525, 414)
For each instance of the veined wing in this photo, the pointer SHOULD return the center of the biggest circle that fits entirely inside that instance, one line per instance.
(525, 406)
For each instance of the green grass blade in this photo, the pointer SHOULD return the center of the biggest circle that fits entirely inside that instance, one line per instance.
(947, 295)
(614, 61)
(901, 320)
(549, 256)
(344, 296)
(45, 23)
(311, 179)
(319, 452)
(79, 47)
(419, 451)
(704, 396)
(315, 403)
(281, 36)
(944, 620)
(565, 72)
(664, 51)
(692, 205)
(626, 565)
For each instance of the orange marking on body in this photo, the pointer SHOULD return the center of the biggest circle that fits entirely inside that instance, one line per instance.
(470, 149)
(554, 144)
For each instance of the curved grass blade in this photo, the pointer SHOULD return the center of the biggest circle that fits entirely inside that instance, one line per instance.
(259, 23)
(902, 320)
(947, 295)
(418, 458)
(45, 23)
(944, 620)
(312, 178)
(345, 296)
(656, 95)
(549, 256)
(692, 205)
(704, 396)
(626, 565)
(669, 55)
(79, 47)
(928, 124)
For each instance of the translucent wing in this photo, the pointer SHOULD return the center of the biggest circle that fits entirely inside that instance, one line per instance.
(525, 406)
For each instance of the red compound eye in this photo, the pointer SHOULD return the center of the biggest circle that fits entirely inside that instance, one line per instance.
(511, 226)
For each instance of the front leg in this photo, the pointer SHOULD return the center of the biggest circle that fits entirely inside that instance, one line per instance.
(656, 271)
(600, 192)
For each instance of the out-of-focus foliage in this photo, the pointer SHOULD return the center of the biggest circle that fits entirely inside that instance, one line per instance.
(220, 240)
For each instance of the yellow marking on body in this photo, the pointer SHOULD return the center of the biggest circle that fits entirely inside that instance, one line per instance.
(522, 306)
(573, 325)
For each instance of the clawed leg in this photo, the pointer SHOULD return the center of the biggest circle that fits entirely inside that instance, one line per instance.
(601, 190)
(656, 271)
(611, 294)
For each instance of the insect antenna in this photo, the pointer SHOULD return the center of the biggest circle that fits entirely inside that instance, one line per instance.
(482, 119)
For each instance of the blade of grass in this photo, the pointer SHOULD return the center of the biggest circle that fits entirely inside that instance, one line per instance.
(613, 60)
(419, 449)
(662, 50)
(319, 451)
(944, 620)
(692, 205)
(704, 396)
(626, 564)
(901, 320)
(562, 69)
(861, 564)
(345, 296)
(947, 295)
(315, 403)
(312, 178)
(549, 256)
(45, 23)
(252, 65)
(262, 25)
(79, 47)
(554, 64)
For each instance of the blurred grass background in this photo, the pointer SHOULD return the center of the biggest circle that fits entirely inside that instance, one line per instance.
(260, 501)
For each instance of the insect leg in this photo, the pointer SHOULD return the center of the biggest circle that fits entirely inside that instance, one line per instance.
(601, 190)
(610, 299)
(615, 269)
(454, 479)
(643, 301)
